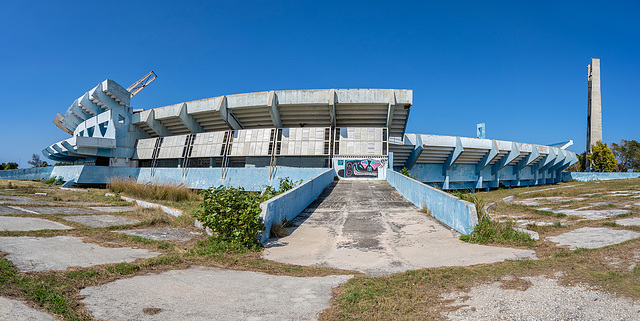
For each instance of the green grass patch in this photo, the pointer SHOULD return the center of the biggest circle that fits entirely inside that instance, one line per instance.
(489, 231)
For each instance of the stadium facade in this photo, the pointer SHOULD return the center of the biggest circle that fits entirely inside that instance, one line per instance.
(360, 133)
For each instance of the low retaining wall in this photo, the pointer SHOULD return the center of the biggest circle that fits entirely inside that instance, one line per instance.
(249, 178)
(27, 173)
(596, 176)
(448, 209)
(288, 205)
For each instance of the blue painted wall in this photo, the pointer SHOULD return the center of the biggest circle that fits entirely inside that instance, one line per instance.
(27, 173)
(290, 204)
(595, 176)
(250, 178)
(448, 209)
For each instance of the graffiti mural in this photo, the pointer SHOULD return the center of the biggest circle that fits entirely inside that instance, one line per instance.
(359, 168)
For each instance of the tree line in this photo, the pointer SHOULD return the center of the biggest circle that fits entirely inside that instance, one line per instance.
(621, 157)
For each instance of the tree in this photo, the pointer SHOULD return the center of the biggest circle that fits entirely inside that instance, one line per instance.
(601, 158)
(11, 165)
(580, 165)
(35, 160)
(44, 164)
(628, 154)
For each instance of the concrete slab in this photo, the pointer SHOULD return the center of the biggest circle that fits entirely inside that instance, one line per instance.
(339, 231)
(4, 210)
(55, 210)
(16, 311)
(165, 234)
(634, 221)
(205, 293)
(538, 298)
(113, 209)
(29, 224)
(593, 237)
(101, 220)
(60, 252)
(591, 214)
(7, 199)
(545, 200)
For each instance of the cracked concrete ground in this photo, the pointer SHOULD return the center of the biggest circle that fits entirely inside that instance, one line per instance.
(368, 227)
(205, 293)
(12, 223)
(540, 298)
(58, 253)
(12, 310)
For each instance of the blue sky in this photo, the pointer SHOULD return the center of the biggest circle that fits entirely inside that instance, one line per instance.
(519, 67)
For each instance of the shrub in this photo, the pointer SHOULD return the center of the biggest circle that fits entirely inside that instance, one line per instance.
(404, 171)
(49, 181)
(232, 214)
(59, 181)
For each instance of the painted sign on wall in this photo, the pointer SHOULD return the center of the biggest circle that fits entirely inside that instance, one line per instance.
(360, 168)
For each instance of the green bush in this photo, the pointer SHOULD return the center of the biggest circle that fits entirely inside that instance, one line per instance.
(232, 214)
(404, 171)
(50, 181)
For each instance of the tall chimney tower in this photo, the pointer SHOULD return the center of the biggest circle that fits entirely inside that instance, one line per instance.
(594, 105)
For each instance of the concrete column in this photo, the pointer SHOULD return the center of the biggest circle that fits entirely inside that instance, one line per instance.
(594, 110)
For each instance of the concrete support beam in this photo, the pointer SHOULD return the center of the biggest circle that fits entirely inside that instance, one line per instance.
(333, 98)
(415, 153)
(484, 162)
(108, 102)
(502, 163)
(89, 105)
(59, 121)
(391, 108)
(457, 151)
(272, 104)
(189, 121)
(227, 115)
(547, 160)
(78, 111)
(155, 125)
(527, 160)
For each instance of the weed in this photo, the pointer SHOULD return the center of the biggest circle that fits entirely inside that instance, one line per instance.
(612, 224)
(174, 193)
(123, 268)
(489, 231)
(278, 230)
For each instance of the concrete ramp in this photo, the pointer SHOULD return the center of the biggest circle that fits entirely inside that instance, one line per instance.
(367, 226)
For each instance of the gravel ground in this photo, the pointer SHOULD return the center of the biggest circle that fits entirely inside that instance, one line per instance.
(544, 299)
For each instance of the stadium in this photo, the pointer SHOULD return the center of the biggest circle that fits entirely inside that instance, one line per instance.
(359, 133)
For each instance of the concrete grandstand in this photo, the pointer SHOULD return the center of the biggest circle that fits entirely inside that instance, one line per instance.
(359, 133)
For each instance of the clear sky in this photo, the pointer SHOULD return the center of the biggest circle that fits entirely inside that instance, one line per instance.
(518, 66)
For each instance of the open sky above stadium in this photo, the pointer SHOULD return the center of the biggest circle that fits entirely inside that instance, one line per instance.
(521, 68)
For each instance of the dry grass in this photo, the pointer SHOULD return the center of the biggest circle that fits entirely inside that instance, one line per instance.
(166, 192)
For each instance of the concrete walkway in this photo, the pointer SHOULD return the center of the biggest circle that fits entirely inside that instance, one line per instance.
(205, 293)
(367, 226)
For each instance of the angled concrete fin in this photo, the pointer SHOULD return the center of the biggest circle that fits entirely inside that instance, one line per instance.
(189, 121)
(272, 104)
(502, 163)
(415, 153)
(227, 115)
(457, 151)
(488, 157)
(526, 161)
(332, 106)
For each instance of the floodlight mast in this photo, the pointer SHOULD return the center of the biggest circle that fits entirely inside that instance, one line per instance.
(143, 82)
